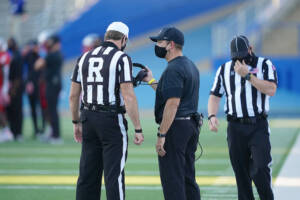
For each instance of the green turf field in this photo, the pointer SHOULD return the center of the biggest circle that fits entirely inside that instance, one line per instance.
(33, 171)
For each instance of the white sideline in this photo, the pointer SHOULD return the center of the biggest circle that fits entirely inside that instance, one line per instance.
(283, 188)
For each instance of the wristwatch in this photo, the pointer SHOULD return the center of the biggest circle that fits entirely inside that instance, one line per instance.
(75, 121)
(248, 77)
(211, 116)
(138, 130)
(161, 135)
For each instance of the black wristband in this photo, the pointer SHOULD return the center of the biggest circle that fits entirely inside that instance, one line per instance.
(161, 134)
(210, 116)
(75, 121)
(138, 131)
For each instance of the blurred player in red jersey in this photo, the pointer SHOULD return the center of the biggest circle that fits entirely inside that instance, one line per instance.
(5, 133)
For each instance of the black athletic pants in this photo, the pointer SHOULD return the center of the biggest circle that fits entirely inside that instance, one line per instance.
(15, 113)
(34, 102)
(250, 155)
(52, 95)
(177, 167)
(104, 148)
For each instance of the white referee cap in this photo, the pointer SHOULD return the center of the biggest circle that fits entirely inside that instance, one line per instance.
(120, 27)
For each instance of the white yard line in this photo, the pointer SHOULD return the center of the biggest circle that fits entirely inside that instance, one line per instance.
(43, 160)
(75, 172)
(215, 189)
(287, 184)
(73, 151)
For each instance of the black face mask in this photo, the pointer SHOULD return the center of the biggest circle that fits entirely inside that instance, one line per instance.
(160, 52)
(123, 47)
(248, 59)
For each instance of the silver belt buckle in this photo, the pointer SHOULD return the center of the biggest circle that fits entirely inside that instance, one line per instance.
(183, 118)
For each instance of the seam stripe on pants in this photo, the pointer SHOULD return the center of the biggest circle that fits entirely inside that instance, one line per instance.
(271, 162)
(123, 131)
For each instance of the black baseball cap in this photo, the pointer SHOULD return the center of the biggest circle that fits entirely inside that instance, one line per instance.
(239, 47)
(54, 38)
(169, 34)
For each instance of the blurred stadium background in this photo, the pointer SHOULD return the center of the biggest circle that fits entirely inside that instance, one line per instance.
(33, 170)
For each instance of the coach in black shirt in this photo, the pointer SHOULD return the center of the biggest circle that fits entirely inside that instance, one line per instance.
(248, 82)
(53, 63)
(32, 82)
(15, 108)
(176, 106)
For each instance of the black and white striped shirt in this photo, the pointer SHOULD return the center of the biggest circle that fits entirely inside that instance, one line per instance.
(100, 73)
(243, 99)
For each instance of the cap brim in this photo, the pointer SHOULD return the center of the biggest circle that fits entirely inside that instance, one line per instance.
(155, 38)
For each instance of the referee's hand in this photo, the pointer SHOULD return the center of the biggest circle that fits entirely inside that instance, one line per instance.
(77, 132)
(241, 68)
(160, 146)
(138, 138)
(213, 124)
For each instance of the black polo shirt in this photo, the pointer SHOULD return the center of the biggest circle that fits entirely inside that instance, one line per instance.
(54, 62)
(181, 80)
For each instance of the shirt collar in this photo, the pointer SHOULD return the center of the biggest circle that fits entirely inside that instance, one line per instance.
(176, 58)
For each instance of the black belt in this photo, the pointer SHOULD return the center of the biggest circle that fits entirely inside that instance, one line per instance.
(103, 108)
(247, 120)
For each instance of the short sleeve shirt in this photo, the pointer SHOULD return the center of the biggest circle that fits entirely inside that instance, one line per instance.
(179, 80)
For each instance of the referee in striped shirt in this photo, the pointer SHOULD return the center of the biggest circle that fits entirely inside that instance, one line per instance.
(248, 82)
(104, 76)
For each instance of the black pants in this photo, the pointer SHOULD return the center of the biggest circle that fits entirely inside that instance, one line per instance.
(34, 102)
(250, 155)
(15, 113)
(52, 95)
(177, 167)
(104, 147)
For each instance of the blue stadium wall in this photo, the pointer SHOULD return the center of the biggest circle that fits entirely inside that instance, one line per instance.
(141, 17)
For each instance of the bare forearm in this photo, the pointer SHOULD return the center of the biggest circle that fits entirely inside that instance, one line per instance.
(74, 107)
(168, 117)
(132, 110)
(265, 87)
(74, 100)
(213, 105)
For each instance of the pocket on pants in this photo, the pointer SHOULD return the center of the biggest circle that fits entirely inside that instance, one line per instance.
(82, 118)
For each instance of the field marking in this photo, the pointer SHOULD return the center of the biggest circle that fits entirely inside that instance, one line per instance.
(285, 123)
(130, 180)
(136, 161)
(75, 172)
(75, 152)
(215, 189)
(284, 187)
(71, 187)
(70, 180)
(287, 182)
